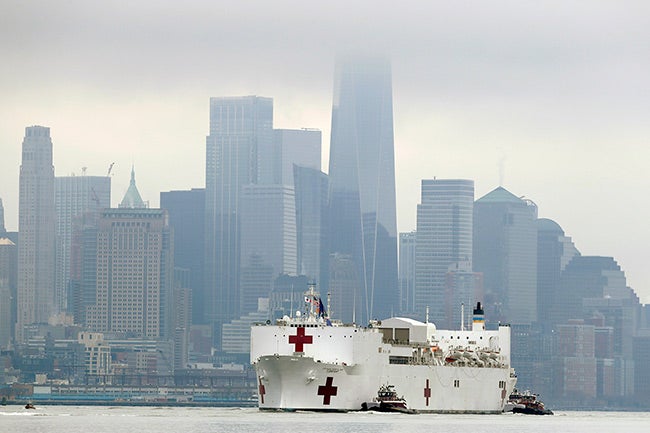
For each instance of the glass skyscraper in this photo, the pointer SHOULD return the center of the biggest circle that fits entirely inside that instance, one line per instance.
(238, 153)
(444, 238)
(362, 184)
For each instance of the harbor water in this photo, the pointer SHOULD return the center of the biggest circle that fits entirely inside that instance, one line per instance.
(100, 419)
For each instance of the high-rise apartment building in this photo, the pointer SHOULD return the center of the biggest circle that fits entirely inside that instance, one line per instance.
(134, 271)
(36, 219)
(186, 211)
(444, 238)
(239, 152)
(505, 251)
(362, 184)
(74, 196)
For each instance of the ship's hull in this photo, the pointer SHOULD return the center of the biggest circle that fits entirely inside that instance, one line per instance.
(295, 382)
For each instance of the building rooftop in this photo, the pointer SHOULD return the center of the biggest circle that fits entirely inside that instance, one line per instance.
(132, 197)
(499, 195)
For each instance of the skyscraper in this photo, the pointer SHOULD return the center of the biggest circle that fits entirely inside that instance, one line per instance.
(74, 195)
(554, 252)
(444, 238)
(268, 236)
(36, 219)
(407, 243)
(362, 183)
(301, 147)
(311, 223)
(134, 271)
(8, 267)
(505, 251)
(187, 217)
(238, 153)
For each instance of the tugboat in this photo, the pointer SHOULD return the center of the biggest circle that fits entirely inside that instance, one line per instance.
(526, 403)
(387, 401)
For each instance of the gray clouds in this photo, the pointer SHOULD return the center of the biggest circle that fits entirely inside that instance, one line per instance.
(559, 89)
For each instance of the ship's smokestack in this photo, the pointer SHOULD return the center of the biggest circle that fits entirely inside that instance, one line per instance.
(478, 323)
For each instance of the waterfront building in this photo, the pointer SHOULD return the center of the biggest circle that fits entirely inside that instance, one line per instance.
(36, 223)
(505, 252)
(575, 362)
(97, 355)
(362, 184)
(444, 238)
(238, 153)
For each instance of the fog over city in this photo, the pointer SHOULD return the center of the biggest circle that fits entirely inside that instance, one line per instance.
(549, 99)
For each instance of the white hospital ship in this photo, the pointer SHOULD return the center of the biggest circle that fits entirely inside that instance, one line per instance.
(309, 362)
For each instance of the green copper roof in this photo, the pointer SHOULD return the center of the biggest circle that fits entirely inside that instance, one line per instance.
(499, 195)
(132, 197)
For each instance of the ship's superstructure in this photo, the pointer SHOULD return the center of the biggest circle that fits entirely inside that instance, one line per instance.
(310, 362)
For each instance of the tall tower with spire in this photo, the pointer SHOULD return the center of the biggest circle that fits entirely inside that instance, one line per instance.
(36, 222)
(362, 185)
(132, 197)
(134, 270)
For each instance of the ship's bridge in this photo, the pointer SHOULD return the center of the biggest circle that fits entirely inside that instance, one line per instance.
(402, 330)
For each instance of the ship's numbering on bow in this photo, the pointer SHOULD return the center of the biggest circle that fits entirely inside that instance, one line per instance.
(311, 362)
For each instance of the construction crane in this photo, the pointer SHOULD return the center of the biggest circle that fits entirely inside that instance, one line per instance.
(94, 196)
(110, 167)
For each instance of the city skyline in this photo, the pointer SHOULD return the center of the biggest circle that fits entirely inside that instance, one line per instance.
(535, 98)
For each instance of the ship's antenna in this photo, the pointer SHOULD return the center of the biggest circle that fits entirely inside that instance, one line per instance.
(462, 316)
(426, 315)
(354, 307)
(329, 305)
(291, 303)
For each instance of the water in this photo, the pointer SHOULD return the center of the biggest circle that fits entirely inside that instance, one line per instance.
(100, 419)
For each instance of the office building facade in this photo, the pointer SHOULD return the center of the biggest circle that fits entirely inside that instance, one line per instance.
(186, 210)
(238, 153)
(505, 252)
(444, 239)
(74, 196)
(134, 271)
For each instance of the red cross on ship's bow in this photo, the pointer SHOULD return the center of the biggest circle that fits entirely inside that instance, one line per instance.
(300, 339)
(327, 390)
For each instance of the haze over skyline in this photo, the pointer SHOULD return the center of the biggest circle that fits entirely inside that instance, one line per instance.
(550, 100)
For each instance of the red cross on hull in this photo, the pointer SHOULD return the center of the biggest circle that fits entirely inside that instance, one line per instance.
(327, 390)
(262, 389)
(300, 339)
(427, 392)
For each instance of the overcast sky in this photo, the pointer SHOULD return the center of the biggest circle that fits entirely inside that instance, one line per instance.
(551, 99)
